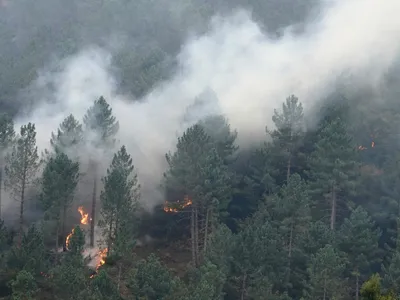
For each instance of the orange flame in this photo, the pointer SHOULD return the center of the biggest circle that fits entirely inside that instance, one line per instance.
(69, 237)
(102, 259)
(84, 216)
(177, 206)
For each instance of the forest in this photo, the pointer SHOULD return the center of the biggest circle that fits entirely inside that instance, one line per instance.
(312, 212)
(307, 208)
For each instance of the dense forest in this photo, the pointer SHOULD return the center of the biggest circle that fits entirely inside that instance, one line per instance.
(309, 210)
(311, 213)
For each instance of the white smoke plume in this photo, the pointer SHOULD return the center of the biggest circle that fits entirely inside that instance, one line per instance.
(250, 73)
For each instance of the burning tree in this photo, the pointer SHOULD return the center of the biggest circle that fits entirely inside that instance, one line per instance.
(119, 201)
(197, 171)
(101, 128)
(59, 180)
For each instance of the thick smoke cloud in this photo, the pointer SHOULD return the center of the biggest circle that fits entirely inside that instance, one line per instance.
(249, 72)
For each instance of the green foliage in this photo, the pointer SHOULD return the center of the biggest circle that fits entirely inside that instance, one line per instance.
(119, 201)
(31, 255)
(391, 278)
(333, 166)
(358, 238)
(371, 290)
(24, 286)
(59, 180)
(103, 287)
(287, 137)
(68, 137)
(206, 283)
(196, 170)
(326, 271)
(23, 161)
(76, 242)
(218, 128)
(151, 280)
(100, 124)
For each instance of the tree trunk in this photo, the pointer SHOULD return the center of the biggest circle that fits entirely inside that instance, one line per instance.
(57, 234)
(64, 218)
(357, 286)
(290, 252)
(1, 188)
(119, 275)
(289, 166)
(206, 230)
(243, 287)
(93, 213)
(196, 233)
(193, 237)
(324, 288)
(21, 209)
(333, 208)
(109, 238)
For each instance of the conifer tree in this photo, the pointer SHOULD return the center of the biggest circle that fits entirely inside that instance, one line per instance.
(291, 213)
(358, 238)
(151, 280)
(197, 172)
(219, 130)
(326, 271)
(289, 132)
(24, 286)
(69, 135)
(7, 136)
(59, 180)
(100, 130)
(333, 166)
(119, 203)
(21, 166)
(69, 277)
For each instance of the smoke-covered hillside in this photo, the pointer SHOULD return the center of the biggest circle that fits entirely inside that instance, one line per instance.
(251, 147)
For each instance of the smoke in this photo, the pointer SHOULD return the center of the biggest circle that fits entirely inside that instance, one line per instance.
(250, 73)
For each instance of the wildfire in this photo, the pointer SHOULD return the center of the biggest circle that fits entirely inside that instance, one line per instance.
(177, 206)
(69, 237)
(84, 216)
(102, 254)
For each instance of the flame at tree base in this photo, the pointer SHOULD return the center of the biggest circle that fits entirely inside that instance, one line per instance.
(177, 206)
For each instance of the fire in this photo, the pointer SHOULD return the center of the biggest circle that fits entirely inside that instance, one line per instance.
(177, 206)
(69, 237)
(102, 254)
(84, 216)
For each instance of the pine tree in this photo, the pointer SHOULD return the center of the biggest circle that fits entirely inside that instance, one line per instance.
(289, 132)
(325, 271)
(69, 277)
(151, 280)
(358, 238)
(24, 286)
(199, 173)
(119, 204)
(257, 253)
(219, 130)
(7, 136)
(291, 213)
(21, 166)
(101, 128)
(333, 165)
(68, 137)
(59, 180)
(30, 255)
(119, 200)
